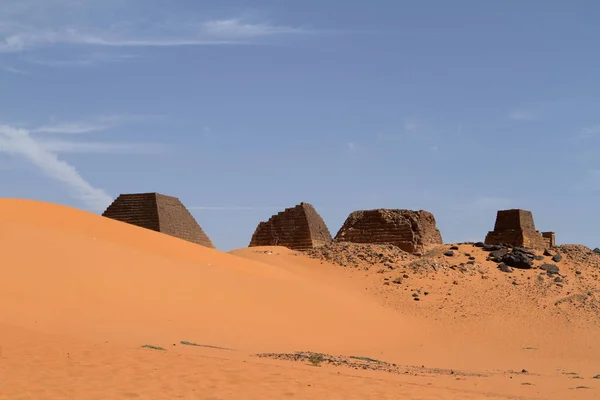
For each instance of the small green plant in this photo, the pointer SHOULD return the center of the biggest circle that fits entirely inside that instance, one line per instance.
(316, 359)
(596, 377)
(368, 359)
(149, 346)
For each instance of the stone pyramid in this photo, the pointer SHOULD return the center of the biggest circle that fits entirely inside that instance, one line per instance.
(159, 213)
(411, 231)
(297, 228)
(516, 227)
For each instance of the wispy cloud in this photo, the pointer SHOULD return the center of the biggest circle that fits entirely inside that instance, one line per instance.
(13, 70)
(82, 60)
(590, 131)
(30, 24)
(20, 142)
(523, 115)
(94, 125)
(64, 146)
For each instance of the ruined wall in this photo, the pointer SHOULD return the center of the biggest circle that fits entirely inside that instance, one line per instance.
(516, 227)
(159, 213)
(412, 231)
(297, 228)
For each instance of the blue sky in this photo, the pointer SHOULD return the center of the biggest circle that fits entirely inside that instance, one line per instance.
(243, 108)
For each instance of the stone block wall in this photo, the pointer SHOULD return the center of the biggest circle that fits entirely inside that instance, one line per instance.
(411, 231)
(516, 227)
(297, 228)
(165, 214)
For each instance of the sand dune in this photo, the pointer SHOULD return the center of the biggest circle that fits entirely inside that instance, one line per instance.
(81, 294)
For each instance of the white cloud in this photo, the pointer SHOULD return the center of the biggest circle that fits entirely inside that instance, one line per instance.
(351, 146)
(410, 128)
(523, 115)
(63, 146)
(95, 125)
(590, 131)
(20, 142)
(13, 70)
(31, 24)
(82, 60)
(235, 28)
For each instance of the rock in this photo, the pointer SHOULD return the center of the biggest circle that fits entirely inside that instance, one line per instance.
(504, 268)
(492, 247)
(524, 251)
(597, 250)
(558, 279)
(498, 254)
(538, 258)
(454, 248)
(425, 293)
(481, 244)
(556, 258)
(578, 272)
(517, 260)
(415, 295)
(550, 269)
(416, 299)
(471, 258)
(449, 253)
(548, 253)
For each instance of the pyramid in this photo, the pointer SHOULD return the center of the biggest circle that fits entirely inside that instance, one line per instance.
(297, 228)
(159, 213)
(516, 227)
(411, 231)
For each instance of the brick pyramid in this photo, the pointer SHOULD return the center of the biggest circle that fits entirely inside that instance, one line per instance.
(297, 228)
(516, 227)
(159, 213)
(411, 231)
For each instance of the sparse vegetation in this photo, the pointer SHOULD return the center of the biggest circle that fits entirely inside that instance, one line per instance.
(596, 377)
(398, 280)
(316, 359)
(368, 359)
(149, 346)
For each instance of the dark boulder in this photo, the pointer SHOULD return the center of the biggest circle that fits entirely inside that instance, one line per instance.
(449, 253)
(492, 247)
(538, 258)
(550, 269)
(557, 258)
(479, 244)
(498, 254)
(504, 268)
(517, 260)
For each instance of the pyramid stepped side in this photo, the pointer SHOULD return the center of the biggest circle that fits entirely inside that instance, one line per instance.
(297, 228)
(159, 213)
(319, 233)
(516, 227)
(176, 220)
(411, 231)
(136, 209)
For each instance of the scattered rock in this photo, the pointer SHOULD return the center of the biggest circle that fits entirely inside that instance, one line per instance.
(416, 299)
(517, 259)
(550, 269)
(556, 258)
(471, 258)
(481, 244)
(497, 255)
(578, 272)
(596, 250)
(504, 268)
(558, 279)
(538, 258)
(454, 248)
(449, 253)
(548, 253)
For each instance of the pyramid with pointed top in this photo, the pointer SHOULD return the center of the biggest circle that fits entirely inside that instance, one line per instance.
(165, 214)
(297, 228)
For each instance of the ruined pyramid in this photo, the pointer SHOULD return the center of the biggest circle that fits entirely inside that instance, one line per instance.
(159, 213)
(297, 228)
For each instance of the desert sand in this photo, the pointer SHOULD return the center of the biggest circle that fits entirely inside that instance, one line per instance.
(92, 308)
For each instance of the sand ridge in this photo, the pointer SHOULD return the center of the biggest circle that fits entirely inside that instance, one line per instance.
(81, 294)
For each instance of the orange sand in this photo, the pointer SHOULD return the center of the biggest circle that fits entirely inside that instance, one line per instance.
(80, 294)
